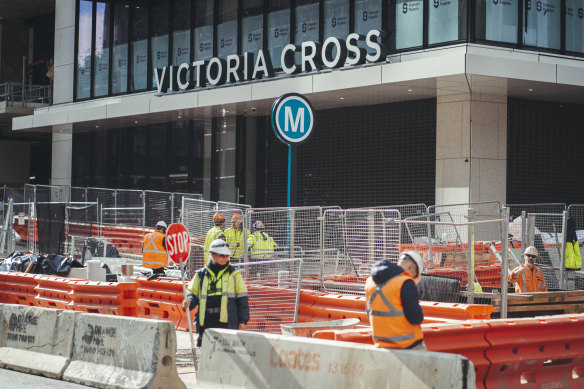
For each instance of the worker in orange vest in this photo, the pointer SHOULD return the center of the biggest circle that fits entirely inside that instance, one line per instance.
(154, 254)
(528, 277)
(392, 303)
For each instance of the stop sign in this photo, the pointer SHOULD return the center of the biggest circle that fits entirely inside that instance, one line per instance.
(178, 242)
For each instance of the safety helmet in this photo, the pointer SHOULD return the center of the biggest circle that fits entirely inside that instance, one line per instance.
(218, 219)
(416, 258)
(219, 246)
(257, 225)
(236, 218)
(161, 224)
(531, 250)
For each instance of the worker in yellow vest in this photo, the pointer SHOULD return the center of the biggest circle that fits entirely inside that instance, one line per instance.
(392, 303)
(260, 244)
(235, 237)
(154, 254)
(216, 232)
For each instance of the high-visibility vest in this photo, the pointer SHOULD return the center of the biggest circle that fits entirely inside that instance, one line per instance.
(228, 283)
(234, 239)
(154, 255)
(528, 282)
(261, 245)
(214, 233)
(391, 329)
(573, 257)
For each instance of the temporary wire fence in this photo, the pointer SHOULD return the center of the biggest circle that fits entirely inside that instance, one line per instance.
(453, 262)
(274, 290)
(359, 238)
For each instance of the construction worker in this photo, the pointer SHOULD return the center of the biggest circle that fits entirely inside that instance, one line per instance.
(234, 236)
(260, 244)
(216, 232)
(154, 254)
(220, 292)
(392, 303)
(528, 277)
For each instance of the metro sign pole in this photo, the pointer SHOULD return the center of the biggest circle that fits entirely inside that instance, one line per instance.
(178, 243)
(293, 121)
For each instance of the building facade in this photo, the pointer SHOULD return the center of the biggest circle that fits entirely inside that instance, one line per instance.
(433, 101)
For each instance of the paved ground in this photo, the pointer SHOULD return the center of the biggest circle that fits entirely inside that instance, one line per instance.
(184, 358)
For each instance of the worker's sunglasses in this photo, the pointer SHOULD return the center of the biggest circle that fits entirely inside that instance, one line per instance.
(530, 256)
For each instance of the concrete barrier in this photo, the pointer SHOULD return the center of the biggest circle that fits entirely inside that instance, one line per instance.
(113, 351)
(36, 340)
(251, 360)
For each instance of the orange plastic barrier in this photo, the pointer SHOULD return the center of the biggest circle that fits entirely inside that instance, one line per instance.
(318, 306)
(53, 292)
(488, 276)
(464, 338)
(542, 352)
(269, 307)
(162, 299)
(18, 288)
(113, 298)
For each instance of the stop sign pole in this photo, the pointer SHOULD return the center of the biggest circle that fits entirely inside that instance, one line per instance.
(178, 245)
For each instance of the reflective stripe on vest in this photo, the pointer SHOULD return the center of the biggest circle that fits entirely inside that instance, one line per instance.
(153, 252)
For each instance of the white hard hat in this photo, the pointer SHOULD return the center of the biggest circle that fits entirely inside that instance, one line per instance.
(531, 250)
(161, 224)
(219, 246)
(417, 259)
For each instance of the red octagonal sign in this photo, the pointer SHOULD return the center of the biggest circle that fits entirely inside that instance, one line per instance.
(178, 243)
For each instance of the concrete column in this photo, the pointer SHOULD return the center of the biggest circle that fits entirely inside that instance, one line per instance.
(471, 144)
(62, 155)
(63, 89)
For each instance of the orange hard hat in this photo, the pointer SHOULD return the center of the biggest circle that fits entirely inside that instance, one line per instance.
(218, 218)
(236, 218)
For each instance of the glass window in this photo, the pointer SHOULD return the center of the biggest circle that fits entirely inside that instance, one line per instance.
(198, 157)
(181, 37)
(226, 157)
(226, 28)
(409, 23)
(139, 46)
(208, 151)
(83, 89)
(120, 49)
(158, 156)
(368, 16)
(575, 25)
(159, 39)
(101, 63)
(252, 26)
(137, 157)
(497, 20)
(203, 31)
(542, 23)
(178, 173)
(336, 18)
(278, 29)
(446, 21)
(306, 23)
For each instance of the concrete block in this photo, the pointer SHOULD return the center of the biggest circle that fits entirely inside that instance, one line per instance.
(36, 340)
(252, 360)
(111, 351)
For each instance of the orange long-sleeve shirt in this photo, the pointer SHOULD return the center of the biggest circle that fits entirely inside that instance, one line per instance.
(530, 281)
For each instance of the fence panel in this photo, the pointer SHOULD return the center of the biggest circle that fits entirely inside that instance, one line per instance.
(104, 197)
(358, 238)
(78, 194)
(129, 198)
(123, 216)
(451, 262)
(273, 290)
(295, 231)
(545, 232)
(177, 204)
(575, 279)
(158, 207)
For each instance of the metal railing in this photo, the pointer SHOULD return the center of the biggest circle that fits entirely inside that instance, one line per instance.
(15, 94)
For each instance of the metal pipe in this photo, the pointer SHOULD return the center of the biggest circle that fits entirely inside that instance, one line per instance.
(505, 262)
(23, 80)
(523, 230)
(563, 280)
